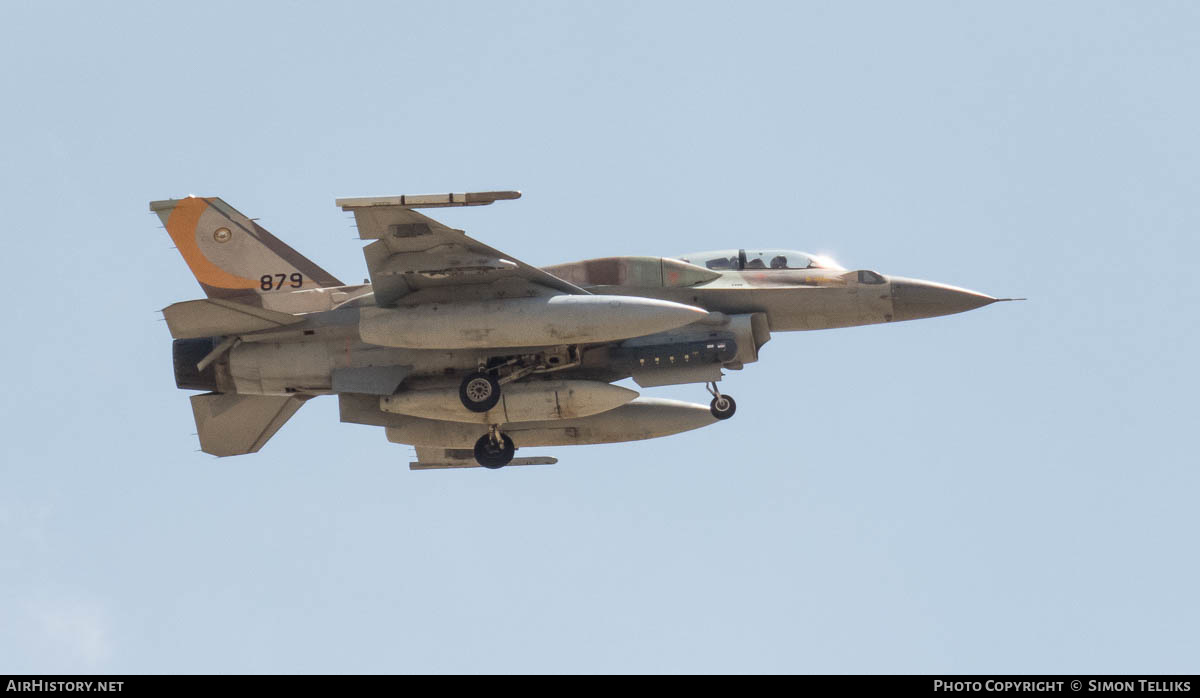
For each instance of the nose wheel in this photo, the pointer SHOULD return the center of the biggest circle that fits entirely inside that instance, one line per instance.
(722, 406)
(479, 391)
(494, 449)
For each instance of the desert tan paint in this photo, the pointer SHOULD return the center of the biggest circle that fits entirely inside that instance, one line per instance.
(448, 302)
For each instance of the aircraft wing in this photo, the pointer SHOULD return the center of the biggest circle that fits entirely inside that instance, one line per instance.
(431, 458)
(412, 252)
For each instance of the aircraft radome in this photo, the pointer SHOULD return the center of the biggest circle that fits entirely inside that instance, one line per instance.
(467, 353)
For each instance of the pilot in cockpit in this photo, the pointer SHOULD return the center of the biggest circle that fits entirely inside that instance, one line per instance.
(738, 260)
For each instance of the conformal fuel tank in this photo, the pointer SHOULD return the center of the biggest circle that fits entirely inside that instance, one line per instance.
(535, 401)
(643, 418)
(523, 322)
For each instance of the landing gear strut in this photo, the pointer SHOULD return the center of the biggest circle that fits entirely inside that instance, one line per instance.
(494, 449)
(722, 406)
(479, 391)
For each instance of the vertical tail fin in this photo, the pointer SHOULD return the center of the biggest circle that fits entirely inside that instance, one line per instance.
(232, 256)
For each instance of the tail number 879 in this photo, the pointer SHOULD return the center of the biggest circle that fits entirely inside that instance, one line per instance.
(274, 282)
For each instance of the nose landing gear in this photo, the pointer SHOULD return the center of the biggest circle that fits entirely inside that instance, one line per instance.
(722, 406)
(494, 449)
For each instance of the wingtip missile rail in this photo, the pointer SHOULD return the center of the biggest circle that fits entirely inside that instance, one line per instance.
(479, 198)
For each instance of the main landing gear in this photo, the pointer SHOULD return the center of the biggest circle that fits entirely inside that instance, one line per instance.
(722, 406)
(479, 392)
(494, 449)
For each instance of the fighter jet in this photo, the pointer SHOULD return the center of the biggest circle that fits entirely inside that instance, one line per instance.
(468, 353)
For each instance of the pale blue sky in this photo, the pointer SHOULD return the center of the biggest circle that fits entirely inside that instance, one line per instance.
(1012, 489)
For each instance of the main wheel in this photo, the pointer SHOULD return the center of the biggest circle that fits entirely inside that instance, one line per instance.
(489, 455)
(479, 392)
(722, 407)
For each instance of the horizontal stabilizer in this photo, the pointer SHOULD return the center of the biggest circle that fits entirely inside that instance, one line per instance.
(214, 317)
(443, 458)
(232, 425)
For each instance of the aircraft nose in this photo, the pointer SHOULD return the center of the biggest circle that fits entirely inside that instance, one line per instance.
(913, 299)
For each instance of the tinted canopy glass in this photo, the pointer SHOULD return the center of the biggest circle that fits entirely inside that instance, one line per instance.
(735, 260)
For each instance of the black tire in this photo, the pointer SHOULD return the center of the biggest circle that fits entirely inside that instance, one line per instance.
(487, 455)
(722, 407)
(479, 392)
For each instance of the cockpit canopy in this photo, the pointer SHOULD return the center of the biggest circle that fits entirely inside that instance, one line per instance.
(737, 260)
